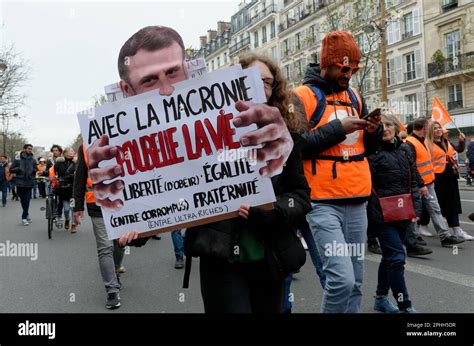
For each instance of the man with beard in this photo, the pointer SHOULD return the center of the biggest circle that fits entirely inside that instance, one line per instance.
(336, 168)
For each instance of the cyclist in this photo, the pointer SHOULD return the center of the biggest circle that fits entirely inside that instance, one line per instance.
(64, 169)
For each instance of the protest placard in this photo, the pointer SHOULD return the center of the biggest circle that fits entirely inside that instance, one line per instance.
(181, 157)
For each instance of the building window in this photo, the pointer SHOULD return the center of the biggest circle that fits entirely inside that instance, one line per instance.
(225, 57)
(298, 41)
(272, 29)
(286, 47)
(410, 65)
(274, 53)
(218, 61)
(264, 34)
(288, 72)
(453, 44)
(212, 65)
(408, 25)
(454, 96)
(390, 72)
(255, 37)
(411, 103)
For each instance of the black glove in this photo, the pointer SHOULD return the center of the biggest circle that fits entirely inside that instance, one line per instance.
(264, 218)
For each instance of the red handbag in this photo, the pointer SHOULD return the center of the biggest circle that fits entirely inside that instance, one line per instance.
(397, 207)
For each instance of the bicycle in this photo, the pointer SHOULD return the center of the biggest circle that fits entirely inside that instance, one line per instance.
(51, 207)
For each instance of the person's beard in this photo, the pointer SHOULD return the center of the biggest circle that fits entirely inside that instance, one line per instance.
(336, 87)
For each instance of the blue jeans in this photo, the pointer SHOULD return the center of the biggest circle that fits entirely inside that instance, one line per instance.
(4, 189)
(178, 243)
(314, 254)
(25, 197)
(340, 233)
(392, 266)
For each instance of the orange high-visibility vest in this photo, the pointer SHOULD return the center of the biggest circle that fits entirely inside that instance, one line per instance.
(423, 160)
(52, 174)
(451, 156)
(438, 159)
(342, 171)
(89, 190)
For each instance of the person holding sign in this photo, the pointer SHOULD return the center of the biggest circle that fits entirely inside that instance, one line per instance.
(341, 135)
(153, 58)
(244, 261)
(393, 175)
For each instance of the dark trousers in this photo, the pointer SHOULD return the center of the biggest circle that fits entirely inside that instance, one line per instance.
(25, 197)
(4, 189)
(42, 189)
(392, 266)
(240, 288)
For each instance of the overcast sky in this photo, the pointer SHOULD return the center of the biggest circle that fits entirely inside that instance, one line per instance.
(72, 48)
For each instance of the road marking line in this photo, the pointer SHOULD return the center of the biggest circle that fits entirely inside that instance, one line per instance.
(467, 222)
(467, 200)
(441, 274)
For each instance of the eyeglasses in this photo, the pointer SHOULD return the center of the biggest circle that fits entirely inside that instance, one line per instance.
(346, 68)
(270, 83)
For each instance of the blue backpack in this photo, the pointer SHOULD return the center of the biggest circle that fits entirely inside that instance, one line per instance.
(321, 104)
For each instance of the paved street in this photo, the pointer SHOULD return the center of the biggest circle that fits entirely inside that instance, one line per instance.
(65, 277)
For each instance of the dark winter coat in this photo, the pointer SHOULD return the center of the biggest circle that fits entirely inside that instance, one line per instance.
(64, 169)
(79, 188)
(25, 170)
(447, 189)
(393, 170)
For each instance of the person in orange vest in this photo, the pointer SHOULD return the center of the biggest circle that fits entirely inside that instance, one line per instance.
(336, 168)
(446, 177)
(109, 252)
(40, 172)
(425, 167)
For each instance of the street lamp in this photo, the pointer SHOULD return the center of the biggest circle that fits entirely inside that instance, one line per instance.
(4, 121)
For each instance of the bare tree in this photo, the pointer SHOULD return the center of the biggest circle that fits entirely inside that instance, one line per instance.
(14, 74)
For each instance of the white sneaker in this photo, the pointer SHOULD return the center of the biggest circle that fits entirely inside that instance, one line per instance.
(25, 222)
(303, 242)
(424, 231)
(459, 233)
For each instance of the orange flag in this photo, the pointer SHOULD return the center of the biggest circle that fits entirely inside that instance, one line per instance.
(439, 113)
(402, 127)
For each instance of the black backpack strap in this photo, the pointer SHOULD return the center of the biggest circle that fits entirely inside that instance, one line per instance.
(354, 100)
(187, 271)
(320, 107)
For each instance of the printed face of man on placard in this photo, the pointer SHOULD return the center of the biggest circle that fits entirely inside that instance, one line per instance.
(159, 69)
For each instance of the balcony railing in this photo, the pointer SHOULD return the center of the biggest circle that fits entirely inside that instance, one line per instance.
(262, 14)
(450, 65)
(217, 44)
(449, 5)
(454, 104)
(239, 45)
(284, 26)
(407, 34)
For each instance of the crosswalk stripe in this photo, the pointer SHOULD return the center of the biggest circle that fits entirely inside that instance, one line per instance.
(436, 273)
